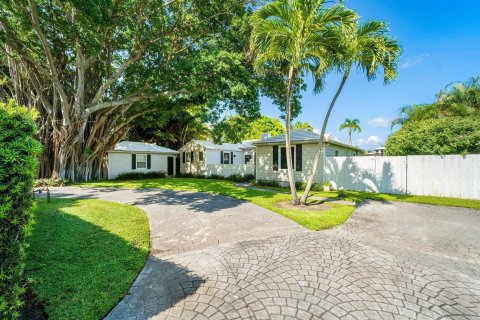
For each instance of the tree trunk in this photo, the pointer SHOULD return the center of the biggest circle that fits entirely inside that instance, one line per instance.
(350, 138)
(288, 111)
(321, 144)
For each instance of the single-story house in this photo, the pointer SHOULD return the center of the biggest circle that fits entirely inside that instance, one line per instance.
(271, 161)
(207, 158)
(129, 156)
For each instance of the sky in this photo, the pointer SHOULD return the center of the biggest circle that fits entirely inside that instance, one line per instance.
(441, 45)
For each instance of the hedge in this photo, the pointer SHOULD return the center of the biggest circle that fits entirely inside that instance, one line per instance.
(18, 165)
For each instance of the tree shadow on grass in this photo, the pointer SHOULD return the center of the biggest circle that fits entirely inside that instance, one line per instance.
(83, 257)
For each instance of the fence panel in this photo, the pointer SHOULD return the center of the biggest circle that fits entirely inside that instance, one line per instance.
(447, 176)
(226, 170)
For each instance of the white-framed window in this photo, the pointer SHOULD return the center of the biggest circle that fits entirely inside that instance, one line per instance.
(141, 161)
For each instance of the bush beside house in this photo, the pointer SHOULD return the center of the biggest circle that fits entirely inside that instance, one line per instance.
(18, 165)
(452, 135)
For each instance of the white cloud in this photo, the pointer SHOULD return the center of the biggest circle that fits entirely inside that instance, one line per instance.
(370, 142)
(379, 122)
(410, 62)
(317, 131)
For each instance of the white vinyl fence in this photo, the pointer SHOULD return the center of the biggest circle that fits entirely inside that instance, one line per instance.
(226, 170)
(453, 176)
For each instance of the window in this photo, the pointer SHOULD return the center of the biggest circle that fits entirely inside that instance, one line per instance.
(188, 156)
(200, 156)
(248, 158)
(226, 158)
(283, 158)
(141, 161)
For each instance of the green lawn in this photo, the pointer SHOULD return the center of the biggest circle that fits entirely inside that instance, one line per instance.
(314, 220)
(440, 201)
(85, 254)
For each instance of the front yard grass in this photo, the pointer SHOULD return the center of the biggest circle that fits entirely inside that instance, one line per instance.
(358, 197)
(85, 254)
(313, 220)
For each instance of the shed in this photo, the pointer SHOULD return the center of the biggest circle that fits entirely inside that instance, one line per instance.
(130, 156)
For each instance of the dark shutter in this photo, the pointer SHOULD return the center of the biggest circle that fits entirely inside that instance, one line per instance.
(275, 158)
(134, 161)
(149, 161)
(221, 157)
(231, 157)
(183, 157)
(191, 156)
(298, 157)
(293, 158)
(283, 158)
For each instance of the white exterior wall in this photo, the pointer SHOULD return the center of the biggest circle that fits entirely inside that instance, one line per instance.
(454, 176)
(226, 170)
(121, 162)
(213, 156)
(195, 167)
(264, 167)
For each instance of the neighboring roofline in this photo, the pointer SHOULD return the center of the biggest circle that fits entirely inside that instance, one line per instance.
(308, 141)
(142, 151)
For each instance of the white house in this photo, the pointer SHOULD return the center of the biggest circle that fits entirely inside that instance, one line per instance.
(128, 156)
(206, 158)
(271, 163)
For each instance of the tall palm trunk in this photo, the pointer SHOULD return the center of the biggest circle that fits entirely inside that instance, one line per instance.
(321, 144)
(288, 112)
(350, 137)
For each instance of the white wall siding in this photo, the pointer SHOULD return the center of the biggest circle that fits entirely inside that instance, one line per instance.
(226, 170)
(121, 162)
(213, 156)
(264, 167)
(195, 167)
(453, 176)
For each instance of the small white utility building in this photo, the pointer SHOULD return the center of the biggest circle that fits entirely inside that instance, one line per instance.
(128, 156)
(206, 158)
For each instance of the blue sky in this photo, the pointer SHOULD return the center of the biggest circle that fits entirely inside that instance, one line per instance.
(441, 44)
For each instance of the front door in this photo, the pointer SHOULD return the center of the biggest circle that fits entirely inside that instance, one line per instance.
(170, 166)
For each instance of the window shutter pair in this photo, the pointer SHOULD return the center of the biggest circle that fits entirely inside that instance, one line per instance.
(134, 161)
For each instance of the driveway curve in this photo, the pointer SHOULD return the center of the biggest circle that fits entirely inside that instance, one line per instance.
(388, 261)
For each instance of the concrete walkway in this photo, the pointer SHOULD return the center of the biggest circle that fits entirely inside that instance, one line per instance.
(388, 261)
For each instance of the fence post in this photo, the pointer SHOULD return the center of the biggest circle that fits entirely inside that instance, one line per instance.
(406, 174)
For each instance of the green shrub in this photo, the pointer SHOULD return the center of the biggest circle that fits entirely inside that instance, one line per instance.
(315, 186)
(49, 182)
(18, 165)
(266, 183)
(241, 178)
(141, 175)
(452, 135)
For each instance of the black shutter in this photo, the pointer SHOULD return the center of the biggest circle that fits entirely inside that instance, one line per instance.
(293, 157)
(283, 158)
(183, 157)
(221, 157)
(298, 157)
(231, 157)
(191, 156)
(275, 158)
(134, 161)
(149, 161)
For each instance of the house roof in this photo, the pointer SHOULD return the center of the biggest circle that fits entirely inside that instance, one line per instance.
(304, 136)
(226, 146)
(132, 146)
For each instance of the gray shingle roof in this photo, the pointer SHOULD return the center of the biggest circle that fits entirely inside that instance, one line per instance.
(303, 136)
(131, 146)
(225, 146)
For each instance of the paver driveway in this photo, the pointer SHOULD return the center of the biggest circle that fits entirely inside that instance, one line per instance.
(388, 261)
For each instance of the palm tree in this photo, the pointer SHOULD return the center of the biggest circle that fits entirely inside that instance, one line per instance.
(351, 126)
(368, 47)
(298, 34)
(302, 125)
